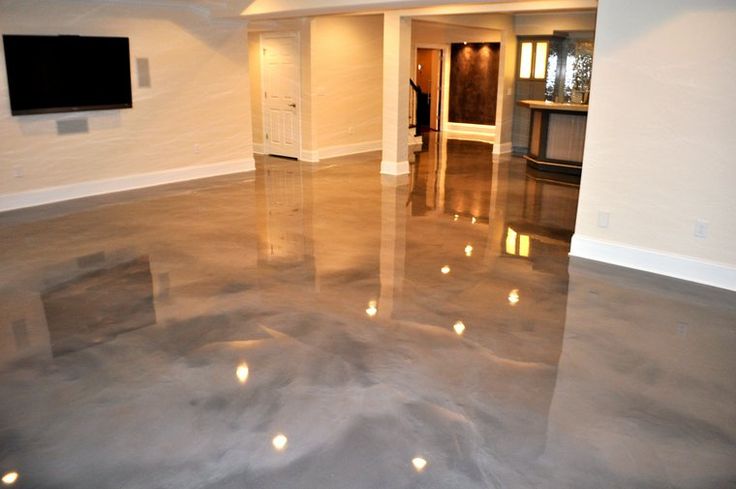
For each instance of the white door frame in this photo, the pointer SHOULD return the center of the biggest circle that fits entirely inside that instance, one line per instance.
(444, 78)
(264, 116)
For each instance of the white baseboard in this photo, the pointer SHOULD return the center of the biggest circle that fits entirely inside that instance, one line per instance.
(349, 149)
(49, 195)
(471, 132)
(502, 148)
(394, 167)
(310, 156)
(314, 156)
(662, 263)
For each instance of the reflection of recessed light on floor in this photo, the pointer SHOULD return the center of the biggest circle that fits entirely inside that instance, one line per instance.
(10, 478)
(459, 328)
(242, 372)
(372, 309)
(469, 250)
(279, 442)
(445, 269)
(474, 220)
(514, 297)
(419, 463)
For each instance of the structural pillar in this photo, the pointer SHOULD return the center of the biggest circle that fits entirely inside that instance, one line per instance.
(396, 61)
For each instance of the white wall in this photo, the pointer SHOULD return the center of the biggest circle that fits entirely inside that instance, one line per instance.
(660, 143)
(194, 115)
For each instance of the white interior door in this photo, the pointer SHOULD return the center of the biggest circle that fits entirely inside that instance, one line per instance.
(281, 94)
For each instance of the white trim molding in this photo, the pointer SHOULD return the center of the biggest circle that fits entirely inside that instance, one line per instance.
(349, 149)
(315, 155)
(662, 263)
(309, 155)
(471, 132)
(394, 167)
(49, 195)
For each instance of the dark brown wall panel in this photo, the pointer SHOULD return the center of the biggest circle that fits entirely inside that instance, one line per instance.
(474, 83)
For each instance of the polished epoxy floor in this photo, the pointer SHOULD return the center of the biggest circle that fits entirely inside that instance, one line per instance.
(323, 327)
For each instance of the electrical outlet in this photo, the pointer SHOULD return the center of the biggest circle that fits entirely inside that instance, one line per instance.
(603, 219)
(18, 171)
(351, 130)
(197, 149)
(701, 228)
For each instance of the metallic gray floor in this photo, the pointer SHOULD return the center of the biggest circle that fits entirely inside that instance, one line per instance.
(124, 319)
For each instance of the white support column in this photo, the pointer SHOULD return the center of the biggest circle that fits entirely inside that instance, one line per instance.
(505, 98)
(396, 60)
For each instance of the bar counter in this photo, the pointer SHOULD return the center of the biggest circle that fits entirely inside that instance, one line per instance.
(556, 136)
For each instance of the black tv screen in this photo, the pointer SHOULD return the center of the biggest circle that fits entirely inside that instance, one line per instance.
(67, 73)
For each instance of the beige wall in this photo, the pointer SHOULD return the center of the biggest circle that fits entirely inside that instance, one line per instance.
(428, 32)
(546, 24)
(660, 147)
(256, 90)
(347, 79)
(276, 8)
(341, 76)
(480, 28)
(195, 113)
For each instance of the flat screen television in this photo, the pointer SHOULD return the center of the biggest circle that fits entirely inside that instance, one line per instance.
(67, 73)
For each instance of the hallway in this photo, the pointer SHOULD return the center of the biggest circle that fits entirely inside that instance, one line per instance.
(328, 327)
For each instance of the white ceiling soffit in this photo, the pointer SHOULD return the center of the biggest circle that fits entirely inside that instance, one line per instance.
(215, 8)
(273, 9)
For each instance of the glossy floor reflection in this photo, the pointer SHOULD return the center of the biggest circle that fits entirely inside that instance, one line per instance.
(323, 327)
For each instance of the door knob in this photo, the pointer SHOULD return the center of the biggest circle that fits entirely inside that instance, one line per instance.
(292, 105)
